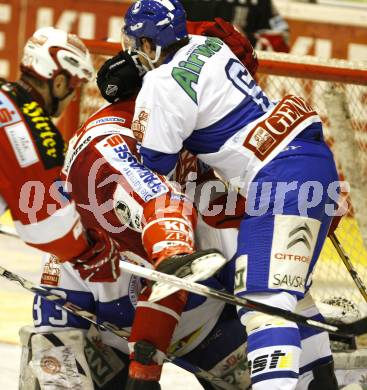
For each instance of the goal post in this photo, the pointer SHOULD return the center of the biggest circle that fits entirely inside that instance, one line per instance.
(337, 89)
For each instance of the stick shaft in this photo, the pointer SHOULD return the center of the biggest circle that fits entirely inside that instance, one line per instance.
(342, 329)
(349, 266)
(70, 307)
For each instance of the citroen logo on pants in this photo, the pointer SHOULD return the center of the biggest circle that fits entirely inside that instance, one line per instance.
(301, 233)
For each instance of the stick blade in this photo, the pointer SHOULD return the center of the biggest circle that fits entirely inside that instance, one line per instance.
(356, 328)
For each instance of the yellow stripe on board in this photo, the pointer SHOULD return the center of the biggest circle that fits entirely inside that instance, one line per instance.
(6, 219)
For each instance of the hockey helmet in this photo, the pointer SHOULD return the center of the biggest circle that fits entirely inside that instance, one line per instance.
(163, 21)
(51, 51)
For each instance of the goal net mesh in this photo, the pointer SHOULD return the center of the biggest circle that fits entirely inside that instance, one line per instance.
(335, 89)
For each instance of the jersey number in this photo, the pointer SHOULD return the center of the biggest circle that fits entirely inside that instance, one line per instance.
(61, 321)
(243, 81)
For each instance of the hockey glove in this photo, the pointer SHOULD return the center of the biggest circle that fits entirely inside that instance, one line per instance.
(140, 384)
(168, 229)
(194, 267)
(236, 41)
(225, 207)
(269, 40)
(120, 77)
(231, 210)
(144, 373)
(100, 262)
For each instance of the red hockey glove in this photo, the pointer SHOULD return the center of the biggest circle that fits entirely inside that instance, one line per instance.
(100, 262)
(225, 209)
(236, 41)
(151, 374)
(269, 40)
(231, 209)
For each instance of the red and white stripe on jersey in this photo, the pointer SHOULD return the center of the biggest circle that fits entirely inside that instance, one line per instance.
(82, 139)
(61, 233)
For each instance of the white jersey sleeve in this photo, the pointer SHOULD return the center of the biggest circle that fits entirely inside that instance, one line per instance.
(166, 116)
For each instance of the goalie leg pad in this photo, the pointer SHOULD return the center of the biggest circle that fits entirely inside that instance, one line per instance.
(54, 360)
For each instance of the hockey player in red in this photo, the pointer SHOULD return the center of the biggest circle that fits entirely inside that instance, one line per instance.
(101, 163)
(54, 64)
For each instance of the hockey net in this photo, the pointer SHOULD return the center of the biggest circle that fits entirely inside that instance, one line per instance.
(337, 89)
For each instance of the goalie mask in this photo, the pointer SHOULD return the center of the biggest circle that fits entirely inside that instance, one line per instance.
(120, 77)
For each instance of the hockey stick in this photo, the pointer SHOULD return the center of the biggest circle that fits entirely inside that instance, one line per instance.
(349, 330)
(70, 307)
(9, 231)
(352, 329)
(349, 266)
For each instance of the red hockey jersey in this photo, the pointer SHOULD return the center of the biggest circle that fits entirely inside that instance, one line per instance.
(115, 192)
(32, 154)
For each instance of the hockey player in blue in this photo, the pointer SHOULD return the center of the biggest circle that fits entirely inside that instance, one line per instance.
(198, 95)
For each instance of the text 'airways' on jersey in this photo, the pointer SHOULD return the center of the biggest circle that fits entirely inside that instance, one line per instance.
(187, 73)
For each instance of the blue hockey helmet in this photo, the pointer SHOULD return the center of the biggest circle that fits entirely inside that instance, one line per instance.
(163, 21)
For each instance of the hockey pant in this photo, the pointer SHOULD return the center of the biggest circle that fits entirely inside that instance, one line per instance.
(280, 238)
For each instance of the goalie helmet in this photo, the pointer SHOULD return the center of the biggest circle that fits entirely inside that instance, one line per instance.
(51, 51)
(163, 21)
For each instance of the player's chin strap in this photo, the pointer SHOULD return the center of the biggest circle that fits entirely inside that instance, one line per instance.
(55, 101)
(31, 90)
(70, 307)
(151, 62)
